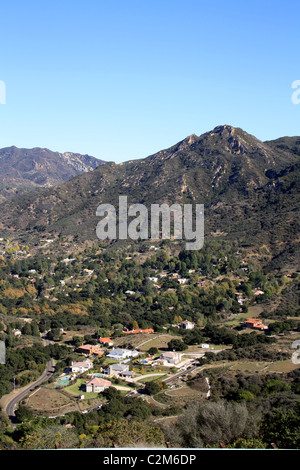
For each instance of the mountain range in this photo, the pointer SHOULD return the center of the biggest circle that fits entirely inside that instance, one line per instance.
(250, 190)
(23, 170)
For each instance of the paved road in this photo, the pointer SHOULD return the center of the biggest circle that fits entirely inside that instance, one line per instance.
(182, 373)
(10, 407)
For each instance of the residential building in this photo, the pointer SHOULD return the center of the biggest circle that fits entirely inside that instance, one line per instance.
(130, 332)
(91, 349)
(119, 354)
(81, 366)
(17, 332)
(170, 357)
(254, 323)
(241, 300)
(106, 341)
(259, 292)
(183, 281)
(97, 385)
(119, 370)
(188, 325)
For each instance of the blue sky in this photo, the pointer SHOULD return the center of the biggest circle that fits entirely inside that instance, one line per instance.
(121, 80)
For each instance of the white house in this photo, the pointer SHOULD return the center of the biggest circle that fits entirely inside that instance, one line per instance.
(183, 280)
(68, 260)
(81, 366)
(188, 325)
(17, 332)
(170, 357)
(119, 354)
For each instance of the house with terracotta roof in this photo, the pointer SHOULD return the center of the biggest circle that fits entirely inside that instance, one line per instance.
(90, 349)
(134, 332)
(106, 341)
(255, 324)
(97, 385)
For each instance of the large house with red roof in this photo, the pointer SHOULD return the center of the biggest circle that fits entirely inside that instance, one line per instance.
(90, 349)
(255, 324)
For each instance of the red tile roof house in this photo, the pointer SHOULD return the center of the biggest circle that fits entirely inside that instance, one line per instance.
(90, 349)
(255, 323)
(106, 341)
(134, 332)
(97, 385)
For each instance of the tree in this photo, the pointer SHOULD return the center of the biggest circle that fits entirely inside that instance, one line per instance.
(177, 345)
(276, 385)
(139, 410)
(254, 443)
(177, 319)
(132, 433)
(152, 351)
(27, 330)
(152, 388)
(50, 437)
(282, 427)
(77, 341)
(54, 334)
(207, 424)
(23, 413)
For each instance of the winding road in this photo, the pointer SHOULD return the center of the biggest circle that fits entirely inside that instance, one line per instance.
(10, 401)
(10, 406)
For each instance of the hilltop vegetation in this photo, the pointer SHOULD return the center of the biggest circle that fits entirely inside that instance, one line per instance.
(250, 191)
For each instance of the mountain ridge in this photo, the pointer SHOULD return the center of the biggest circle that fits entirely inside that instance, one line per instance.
(23, 169)
(249, 189)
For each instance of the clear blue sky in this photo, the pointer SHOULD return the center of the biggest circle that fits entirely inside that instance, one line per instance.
(121, 80)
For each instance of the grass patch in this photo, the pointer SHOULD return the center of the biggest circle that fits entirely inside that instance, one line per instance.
(153, 378)
(78, 388)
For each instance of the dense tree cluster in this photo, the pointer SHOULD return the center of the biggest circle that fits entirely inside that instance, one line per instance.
(110, 290)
